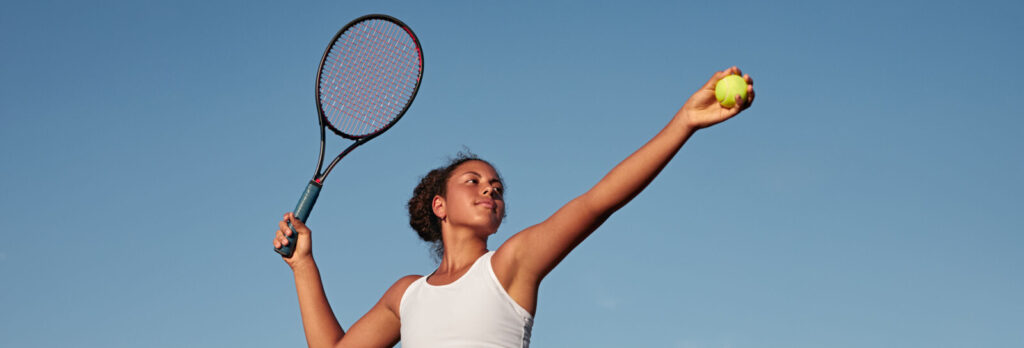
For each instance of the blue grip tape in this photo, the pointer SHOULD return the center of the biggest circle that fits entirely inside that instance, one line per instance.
(302, 210)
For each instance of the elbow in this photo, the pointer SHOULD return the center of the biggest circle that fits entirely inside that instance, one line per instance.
(596, 207)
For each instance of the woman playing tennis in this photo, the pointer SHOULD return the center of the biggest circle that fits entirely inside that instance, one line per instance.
(476, 297)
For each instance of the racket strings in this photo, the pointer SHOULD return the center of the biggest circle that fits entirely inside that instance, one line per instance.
(376, 82)
(369, 77)
(373, 80)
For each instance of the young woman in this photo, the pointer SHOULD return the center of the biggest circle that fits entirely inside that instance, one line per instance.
(476, 297)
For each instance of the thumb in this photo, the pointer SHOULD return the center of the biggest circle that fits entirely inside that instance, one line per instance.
(297, 224)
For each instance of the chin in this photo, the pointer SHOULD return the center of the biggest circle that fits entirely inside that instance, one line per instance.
(488, 230)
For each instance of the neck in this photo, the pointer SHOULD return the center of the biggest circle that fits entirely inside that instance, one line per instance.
(461, 250)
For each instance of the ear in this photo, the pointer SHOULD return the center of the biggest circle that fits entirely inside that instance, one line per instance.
(438, 206)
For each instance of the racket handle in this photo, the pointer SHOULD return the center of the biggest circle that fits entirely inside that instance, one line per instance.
(302, 210)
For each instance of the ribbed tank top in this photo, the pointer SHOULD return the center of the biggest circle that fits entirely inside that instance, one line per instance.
(472, 311)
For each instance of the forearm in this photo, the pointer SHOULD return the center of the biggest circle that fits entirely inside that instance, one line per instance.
(318, 321)
(633, 174)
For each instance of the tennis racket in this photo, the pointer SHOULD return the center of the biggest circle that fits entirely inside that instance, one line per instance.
(367, 79)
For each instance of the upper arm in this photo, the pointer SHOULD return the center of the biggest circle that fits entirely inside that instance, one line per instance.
(380, 326)
(534, 252)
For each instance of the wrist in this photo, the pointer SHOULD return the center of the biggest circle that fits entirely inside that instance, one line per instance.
(304, 265)
(684, 123)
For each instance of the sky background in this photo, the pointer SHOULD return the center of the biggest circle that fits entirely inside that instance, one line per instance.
(871, 197)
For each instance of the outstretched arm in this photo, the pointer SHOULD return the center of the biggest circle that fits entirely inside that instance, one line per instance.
(538, 249)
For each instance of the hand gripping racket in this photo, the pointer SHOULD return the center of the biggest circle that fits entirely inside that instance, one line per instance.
(368, 77)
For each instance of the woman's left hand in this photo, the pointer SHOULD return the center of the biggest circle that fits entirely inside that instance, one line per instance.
(703, 110)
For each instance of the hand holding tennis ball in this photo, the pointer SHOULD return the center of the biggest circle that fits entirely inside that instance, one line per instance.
(715, 101)
(728, 88)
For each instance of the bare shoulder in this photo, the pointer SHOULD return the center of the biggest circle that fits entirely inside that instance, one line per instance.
(381, 325)
(506, 259)
(507, 263)
(513, 249)
(393, 296)
(405, 281)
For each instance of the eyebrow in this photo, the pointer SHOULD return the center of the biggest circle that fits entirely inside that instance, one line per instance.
(478, 174)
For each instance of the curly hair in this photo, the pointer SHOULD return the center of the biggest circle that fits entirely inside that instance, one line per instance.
(421, 212)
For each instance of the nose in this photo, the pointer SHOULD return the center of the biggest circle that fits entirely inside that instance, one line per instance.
(489, 191)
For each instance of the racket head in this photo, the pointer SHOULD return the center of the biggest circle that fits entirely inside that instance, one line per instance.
(368, 76)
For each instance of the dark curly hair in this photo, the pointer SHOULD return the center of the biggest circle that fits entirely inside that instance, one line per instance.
(421, 212)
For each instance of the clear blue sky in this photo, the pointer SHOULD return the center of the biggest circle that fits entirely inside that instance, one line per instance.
(870, 198)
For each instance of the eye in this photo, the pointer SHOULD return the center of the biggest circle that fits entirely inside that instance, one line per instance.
(472, 181)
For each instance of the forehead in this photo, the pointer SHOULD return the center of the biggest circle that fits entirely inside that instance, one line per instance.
(475, 166)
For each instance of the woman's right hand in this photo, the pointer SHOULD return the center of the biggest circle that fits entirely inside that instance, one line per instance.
(303, 249)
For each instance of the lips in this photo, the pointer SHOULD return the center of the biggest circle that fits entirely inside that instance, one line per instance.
(486, 203)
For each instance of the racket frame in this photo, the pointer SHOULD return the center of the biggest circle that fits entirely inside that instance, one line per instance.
(359, 140)
(312, 191)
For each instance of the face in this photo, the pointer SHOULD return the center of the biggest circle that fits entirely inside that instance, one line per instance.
(473, 198)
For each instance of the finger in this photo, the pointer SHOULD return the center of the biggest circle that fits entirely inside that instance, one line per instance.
(750, 81)
(282, 227)
(718, 75)
(279, 239)
(750, 97)
(732, 70)
(299, 225)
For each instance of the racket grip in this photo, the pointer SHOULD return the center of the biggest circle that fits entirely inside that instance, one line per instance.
(302, 210)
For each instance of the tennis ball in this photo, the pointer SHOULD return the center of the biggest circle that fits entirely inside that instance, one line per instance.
(728, 88)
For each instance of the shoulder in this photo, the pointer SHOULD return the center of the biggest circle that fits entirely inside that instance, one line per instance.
(398, 288)
(405, 281)
(506, 260)
(507, 257)
(393, 296)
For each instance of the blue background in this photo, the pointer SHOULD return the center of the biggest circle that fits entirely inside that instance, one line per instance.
(870, 198)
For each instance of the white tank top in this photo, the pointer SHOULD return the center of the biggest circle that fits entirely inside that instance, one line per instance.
(472, 311)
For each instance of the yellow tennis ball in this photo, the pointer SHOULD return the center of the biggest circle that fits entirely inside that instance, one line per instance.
(728, 88)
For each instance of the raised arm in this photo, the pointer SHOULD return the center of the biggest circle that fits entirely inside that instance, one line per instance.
(536, 250)
(377, 328)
